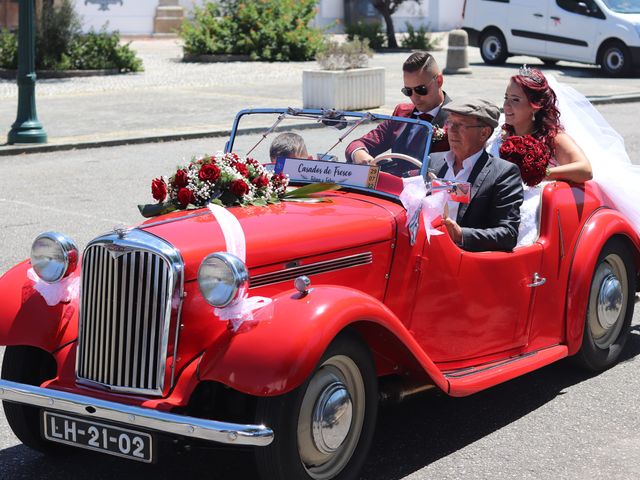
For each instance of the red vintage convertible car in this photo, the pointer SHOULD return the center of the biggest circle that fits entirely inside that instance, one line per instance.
(143, 351)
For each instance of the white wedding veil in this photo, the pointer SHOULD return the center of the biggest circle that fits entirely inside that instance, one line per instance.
(604, 147)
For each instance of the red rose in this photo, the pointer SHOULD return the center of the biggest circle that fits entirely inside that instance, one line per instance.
(506, 148)
(261, 181)
(159, 189)
(252, 161)
(241, 168)
(185, 197)
(181, 179)
(239, 188)
(209, 173)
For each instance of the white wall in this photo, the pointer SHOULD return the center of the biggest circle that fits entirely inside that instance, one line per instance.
(132, 17)
(136, 16)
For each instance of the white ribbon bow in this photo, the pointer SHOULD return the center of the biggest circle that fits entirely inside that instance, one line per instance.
(242, 308)
(54, 293)
(414, 199)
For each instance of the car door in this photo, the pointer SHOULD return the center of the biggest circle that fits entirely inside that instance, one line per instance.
(469, 304)
(572, 30)
(527, 24)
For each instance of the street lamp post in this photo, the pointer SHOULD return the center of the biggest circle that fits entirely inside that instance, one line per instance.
(27, 128)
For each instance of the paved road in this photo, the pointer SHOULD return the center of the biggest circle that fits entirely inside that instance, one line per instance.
(557, 423)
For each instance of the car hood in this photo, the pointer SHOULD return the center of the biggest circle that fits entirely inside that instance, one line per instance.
(281, 232)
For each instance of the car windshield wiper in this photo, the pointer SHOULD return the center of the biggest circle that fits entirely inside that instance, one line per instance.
(355, 125)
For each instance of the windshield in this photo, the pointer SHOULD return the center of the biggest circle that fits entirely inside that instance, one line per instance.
(269, 134)
(623, 6)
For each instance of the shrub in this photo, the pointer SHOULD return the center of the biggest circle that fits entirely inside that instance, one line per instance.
(101, 50)
(58, 28)
(8, 49)
(272, 30)
(420, 39)
(344, 56)
(60, 45)
(371, 31)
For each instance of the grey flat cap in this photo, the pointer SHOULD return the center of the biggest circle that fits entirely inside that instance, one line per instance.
(483, 110)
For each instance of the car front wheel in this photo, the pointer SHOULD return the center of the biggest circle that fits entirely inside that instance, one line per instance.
(493, 48)
(616, 59)
(31, 366)
(610, 308)
(323, 429)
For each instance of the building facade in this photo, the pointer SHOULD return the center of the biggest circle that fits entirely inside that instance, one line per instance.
(147, 17)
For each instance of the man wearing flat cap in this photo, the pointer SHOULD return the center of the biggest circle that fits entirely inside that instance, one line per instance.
(490, 221)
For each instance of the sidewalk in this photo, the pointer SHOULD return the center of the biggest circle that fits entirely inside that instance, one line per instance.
(173, 100)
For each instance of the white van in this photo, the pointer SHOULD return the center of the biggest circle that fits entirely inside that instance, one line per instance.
(605, 32)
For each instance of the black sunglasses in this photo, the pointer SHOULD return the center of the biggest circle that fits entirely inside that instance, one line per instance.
(421, 90)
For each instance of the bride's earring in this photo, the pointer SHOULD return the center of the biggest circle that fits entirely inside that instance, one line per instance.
(533, 116)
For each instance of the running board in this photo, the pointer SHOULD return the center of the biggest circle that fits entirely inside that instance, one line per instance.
(466, 381)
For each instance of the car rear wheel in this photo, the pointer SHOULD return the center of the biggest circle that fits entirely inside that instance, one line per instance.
(610, 308)
(323, 429)
(31, 366)
(493, 48)
(616, 59)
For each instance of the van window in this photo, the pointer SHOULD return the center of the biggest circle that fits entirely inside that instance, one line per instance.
(499, 1)
(623, 6)
(581, 7)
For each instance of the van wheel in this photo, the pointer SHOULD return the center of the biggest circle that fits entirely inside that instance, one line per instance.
(323, 429)
(610, 308)
(615, 59)
(493, 47)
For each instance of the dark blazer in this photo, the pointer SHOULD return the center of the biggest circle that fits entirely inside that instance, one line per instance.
(491, 220)
(389, 135)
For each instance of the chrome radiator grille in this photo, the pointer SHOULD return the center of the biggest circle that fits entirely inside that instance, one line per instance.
(125, 316)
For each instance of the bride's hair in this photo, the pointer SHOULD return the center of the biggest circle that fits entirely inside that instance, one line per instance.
(541, 96)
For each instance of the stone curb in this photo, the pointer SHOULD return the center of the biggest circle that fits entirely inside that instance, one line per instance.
(6, 150)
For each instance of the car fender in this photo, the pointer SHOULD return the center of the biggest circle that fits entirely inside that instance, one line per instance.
(279, 350)
(597, 230)
(26, 319)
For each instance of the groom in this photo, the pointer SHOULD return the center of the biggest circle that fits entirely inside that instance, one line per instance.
(423, 85)
(491, 220)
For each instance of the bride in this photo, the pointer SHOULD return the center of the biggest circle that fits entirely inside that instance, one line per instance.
(567, 125)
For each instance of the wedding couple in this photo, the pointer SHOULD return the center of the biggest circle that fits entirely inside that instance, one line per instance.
(532, 114)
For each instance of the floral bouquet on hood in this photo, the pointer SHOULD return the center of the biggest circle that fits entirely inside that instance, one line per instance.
(224, 179)
(531, 155)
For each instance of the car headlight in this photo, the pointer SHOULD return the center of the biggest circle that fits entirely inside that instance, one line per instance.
(53, 256)
(221, 277)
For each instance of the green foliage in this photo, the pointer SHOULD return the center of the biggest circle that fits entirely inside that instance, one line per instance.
(371, 31)
(101, 50)
(420, 39)
(344, 56)
(58, 28)
(8, 49)
(60, 45)
(272, 30)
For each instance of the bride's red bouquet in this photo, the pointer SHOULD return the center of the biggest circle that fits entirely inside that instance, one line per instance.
(531, 155)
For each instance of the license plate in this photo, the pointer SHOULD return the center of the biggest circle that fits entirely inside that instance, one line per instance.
(101, 437)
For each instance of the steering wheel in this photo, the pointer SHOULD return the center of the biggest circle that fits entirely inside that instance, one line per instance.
(401, 156)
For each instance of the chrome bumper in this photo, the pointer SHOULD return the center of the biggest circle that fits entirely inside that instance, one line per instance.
(88, 407)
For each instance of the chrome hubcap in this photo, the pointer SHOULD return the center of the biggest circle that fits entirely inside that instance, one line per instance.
(615, 60)
(491, 47)
(332, 418)
(608, 301)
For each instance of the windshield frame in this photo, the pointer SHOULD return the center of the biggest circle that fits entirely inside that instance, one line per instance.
(329, 115)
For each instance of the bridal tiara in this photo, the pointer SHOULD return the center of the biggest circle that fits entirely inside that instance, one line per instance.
(530, 73)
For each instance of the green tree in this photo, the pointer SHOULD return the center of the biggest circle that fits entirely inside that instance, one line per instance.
(386, 9)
